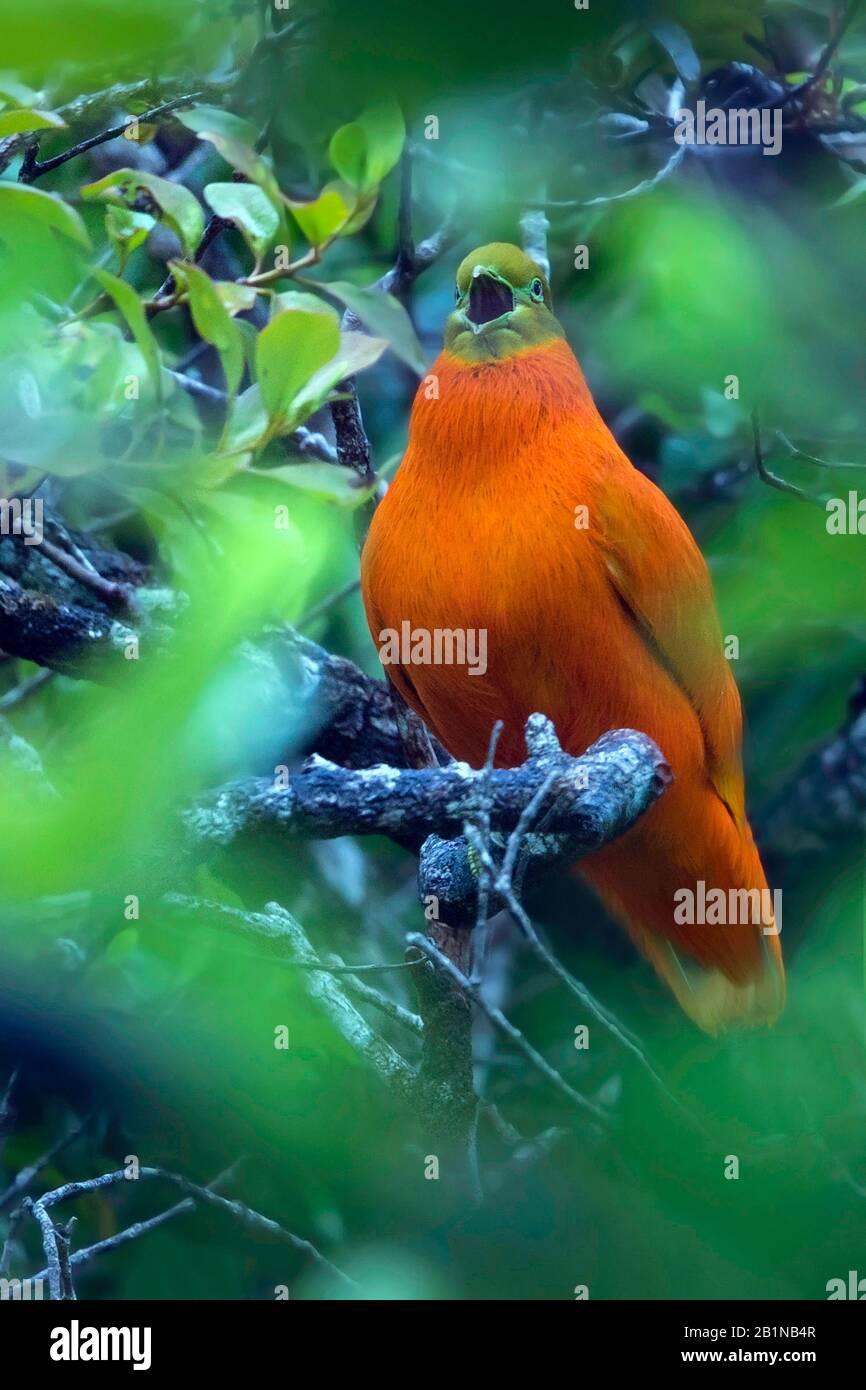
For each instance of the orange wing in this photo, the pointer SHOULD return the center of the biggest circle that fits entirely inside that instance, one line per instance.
(662, 580)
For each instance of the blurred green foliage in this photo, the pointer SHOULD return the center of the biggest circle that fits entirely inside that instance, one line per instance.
(739, 266)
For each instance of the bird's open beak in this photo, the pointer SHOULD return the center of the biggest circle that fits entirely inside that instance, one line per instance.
(489, 299)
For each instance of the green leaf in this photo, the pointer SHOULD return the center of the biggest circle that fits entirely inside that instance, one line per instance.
(216, 469)
(323, 218)
(385, 317)
(236, 298)
(289, 351)
(297, 299)
(249, 336)
(357, 351)
(122, 946)
(248, 425)
(361, 206)
(249, 208)
(386, 133)
(235, 139)
(126, 230)
(678, 46)
(364, 151)
(348, 153)
(132, 309)
(14, 122)
(327, 481)
(176, 206)
(855, 194)
(213, 321)
(213, 120)
(20, 200)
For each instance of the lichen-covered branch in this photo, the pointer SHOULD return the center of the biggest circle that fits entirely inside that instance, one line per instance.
(599, 795)
(286, 939)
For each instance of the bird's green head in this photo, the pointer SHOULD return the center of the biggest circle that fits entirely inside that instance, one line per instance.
(502, 305)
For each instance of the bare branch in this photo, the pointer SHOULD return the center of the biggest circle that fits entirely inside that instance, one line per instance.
(374, 997)
(133, 1232)
(27, 1175)
(773, 479)
(822, 802)
(288, 941)
(499, 1020)
(33, 168)
(247, 1217)
(56, 1248)
(19, 693)
(73, 640)
(827, 56)
(534, 227)
(601, 794)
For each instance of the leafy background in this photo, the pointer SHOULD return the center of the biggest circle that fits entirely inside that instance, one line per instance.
(731, 263)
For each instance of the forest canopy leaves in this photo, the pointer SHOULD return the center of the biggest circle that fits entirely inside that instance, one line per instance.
(11, 122)
(19, 203)
(384, 315)
(143, 192)
(213, 321)
(289, 351)
(167, 386)
(366, 150)
(249, 208)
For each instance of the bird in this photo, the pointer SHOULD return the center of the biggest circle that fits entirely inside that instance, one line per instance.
(515, 513)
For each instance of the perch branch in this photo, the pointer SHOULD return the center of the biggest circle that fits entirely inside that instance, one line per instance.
(599, 796)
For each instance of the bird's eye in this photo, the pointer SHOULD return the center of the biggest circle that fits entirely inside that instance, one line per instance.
(536, 289)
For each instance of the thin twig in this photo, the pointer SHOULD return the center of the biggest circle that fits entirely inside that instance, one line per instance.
(25, 1177)
(16, 1219)
(115, 595)
(482, 825)
(826, 57)
(797, 453)
(19, 693)
(7, 1109)
(33, 168)
(772, 479)
(324, 605)
(499, 1020)
(353, 445)
(503, 882)
(59, 1277)
(288, 940)
(250, 1219)
(133, 1232)
(374, 997)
